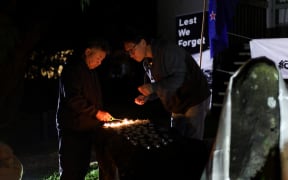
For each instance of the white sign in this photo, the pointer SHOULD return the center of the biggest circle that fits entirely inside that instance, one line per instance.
(188, 36)
(275, 49)
(206, 64)
(188, 32)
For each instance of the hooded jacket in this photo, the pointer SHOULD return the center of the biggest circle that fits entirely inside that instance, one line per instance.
(80, 97)
(179, 81)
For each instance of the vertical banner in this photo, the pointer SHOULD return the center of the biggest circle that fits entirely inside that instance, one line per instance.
(188, 32)
(188, 36)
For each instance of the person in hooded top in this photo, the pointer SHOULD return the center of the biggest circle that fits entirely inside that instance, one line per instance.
(175, 78)
(80, 109)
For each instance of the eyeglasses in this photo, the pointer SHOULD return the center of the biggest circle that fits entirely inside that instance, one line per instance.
(131, 50)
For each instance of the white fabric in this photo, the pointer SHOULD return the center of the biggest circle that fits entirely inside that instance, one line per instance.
(206, 62)
(219, 162)
(283, 142)
(275, 49)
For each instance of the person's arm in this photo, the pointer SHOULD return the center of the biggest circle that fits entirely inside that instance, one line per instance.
(83, 112)
(171, 78)
(74, 92)
(173, 60)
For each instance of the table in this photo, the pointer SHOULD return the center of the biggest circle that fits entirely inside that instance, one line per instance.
(144, 151)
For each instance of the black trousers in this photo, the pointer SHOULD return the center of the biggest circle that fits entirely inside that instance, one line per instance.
(74, 154)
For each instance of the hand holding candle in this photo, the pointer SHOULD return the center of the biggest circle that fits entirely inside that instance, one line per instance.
(104, 116)
(146, 89)
(141, 99)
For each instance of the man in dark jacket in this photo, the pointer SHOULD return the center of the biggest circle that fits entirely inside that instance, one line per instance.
(175, 78)
(80, 109)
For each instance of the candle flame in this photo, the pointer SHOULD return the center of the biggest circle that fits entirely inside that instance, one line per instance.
(124, 122)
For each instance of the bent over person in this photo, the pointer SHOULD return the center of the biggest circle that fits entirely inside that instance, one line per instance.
(175, 78)
(80, 109)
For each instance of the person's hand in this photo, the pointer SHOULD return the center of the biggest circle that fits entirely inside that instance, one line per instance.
(104, 116)
(141, 99)
(145, 89)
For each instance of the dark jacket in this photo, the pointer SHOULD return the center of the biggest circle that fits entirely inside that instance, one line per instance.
(79, 97)
(179, 81)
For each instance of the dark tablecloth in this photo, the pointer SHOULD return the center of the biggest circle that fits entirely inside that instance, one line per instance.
(180, 158)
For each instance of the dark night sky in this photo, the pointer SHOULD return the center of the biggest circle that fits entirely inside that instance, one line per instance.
(66, 23)
(63, 25)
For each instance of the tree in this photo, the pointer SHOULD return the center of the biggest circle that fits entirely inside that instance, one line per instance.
(23, 26)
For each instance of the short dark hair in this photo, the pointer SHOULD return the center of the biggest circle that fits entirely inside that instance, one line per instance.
(91, 42)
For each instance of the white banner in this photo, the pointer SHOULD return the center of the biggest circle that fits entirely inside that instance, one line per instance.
(206, 65)
(275, 49)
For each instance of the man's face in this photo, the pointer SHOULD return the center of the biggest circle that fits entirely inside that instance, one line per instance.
(136, 51)
(94, 57)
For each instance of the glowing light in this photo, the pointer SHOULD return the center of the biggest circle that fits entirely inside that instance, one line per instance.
(123, 123)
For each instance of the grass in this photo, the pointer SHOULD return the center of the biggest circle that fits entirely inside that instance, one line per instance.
(93, 173)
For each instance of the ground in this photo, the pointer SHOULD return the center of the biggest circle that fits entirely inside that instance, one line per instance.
(42, 163)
